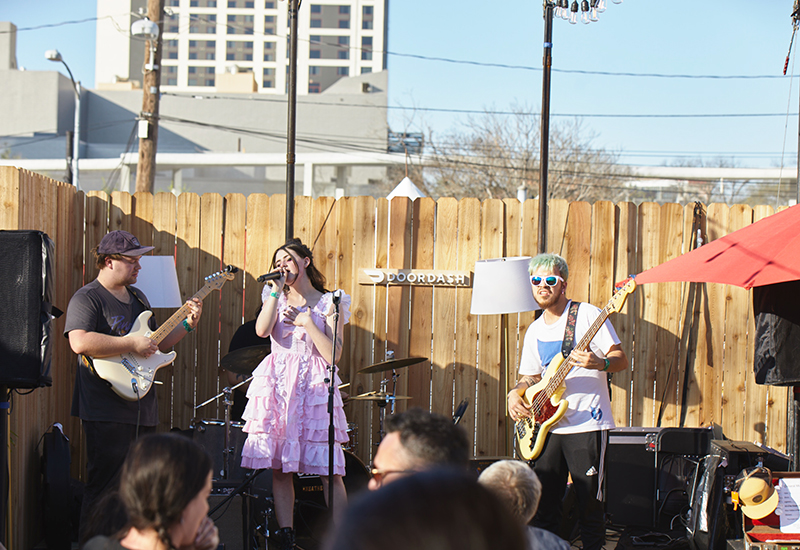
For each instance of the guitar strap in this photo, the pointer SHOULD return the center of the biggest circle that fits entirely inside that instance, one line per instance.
(569, 332)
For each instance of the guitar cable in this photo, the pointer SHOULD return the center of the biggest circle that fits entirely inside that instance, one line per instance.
(135, 388)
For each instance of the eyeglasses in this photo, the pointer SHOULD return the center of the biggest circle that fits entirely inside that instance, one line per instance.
(378, 474)
(550, 280)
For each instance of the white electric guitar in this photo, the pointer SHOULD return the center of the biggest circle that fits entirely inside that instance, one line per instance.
(131, 375)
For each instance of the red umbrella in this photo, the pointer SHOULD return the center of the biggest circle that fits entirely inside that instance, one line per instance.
(762, 253)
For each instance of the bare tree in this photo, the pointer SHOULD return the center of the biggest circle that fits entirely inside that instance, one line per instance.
(494, 155)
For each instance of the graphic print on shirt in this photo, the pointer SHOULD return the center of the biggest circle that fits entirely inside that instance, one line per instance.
(548, 350)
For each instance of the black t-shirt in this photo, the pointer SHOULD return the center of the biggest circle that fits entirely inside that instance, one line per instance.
(95, 309)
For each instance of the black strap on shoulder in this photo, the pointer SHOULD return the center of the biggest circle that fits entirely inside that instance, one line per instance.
(138, 297)
(569, 332)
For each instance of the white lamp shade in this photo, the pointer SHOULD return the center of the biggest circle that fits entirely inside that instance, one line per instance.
(502, 285)
(159, 281)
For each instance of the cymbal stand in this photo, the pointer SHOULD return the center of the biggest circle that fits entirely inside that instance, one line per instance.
(390, 400)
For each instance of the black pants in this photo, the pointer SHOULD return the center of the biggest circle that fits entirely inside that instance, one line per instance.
(582, 455)
(107, 444)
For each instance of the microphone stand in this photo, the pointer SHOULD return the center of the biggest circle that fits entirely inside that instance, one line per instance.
(331, 388)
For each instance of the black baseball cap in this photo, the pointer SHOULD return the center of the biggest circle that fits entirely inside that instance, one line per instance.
(122, 242)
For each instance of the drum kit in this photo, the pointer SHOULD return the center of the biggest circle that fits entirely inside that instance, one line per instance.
(224, 438)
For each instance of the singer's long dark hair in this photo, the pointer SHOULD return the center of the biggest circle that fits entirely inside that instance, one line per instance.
(296, 245)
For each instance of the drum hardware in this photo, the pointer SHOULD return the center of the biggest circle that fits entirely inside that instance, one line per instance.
(227, 449)
(378, 396)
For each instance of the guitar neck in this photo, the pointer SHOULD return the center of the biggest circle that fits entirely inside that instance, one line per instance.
(582, 345)
(177, 317)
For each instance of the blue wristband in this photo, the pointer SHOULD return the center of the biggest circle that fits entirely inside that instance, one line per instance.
(187, 326)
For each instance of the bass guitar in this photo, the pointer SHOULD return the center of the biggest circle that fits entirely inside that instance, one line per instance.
(131, 375)
(544, 397)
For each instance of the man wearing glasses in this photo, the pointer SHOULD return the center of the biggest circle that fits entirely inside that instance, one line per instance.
(576, 444)
(418, 440)
(99, 316)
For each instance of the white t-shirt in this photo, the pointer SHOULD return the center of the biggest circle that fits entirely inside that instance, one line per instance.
(586, 389)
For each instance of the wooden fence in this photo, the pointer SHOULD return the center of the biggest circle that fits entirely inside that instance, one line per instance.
(690, 345)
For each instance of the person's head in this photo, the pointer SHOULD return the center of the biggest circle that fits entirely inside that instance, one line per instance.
(433, 510)
(516, 484)
(549, 274)
(118, 255)
(297, 258)
(418, 440)
(164, 485)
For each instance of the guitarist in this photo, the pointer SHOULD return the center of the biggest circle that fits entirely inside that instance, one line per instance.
(576, 444)
(98, 316)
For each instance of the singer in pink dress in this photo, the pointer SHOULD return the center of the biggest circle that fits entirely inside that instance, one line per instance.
(286, 417)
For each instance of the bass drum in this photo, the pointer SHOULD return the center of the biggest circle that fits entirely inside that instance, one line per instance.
(210, 434)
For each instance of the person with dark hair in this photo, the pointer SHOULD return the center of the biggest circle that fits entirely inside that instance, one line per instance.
(286, 417)
(164, 488)
(99, 316)
(418, 440)
(440, 509)
(576, 444)
(518, 487)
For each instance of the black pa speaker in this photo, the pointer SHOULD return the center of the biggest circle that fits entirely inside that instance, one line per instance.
(26, 290)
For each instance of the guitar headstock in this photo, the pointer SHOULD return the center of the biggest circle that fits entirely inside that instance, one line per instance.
(618, 299)
(215, 281)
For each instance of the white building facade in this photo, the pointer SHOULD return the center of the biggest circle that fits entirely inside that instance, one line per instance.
(204, 39)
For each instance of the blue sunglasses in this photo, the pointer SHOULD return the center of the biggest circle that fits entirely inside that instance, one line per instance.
(550, 280)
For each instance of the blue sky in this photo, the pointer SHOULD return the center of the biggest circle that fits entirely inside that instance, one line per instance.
(636, 37)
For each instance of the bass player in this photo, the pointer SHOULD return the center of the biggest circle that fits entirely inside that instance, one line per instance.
(576, 444)
(99, 315)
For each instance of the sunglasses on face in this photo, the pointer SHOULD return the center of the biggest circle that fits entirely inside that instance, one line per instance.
(550, 280)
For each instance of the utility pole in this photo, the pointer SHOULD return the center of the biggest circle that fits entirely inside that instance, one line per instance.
(148, 121)
(291, 118)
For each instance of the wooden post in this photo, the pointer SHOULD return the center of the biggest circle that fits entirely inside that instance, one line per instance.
(146, 169)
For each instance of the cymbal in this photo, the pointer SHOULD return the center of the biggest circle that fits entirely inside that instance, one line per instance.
(392, 364)
(377, 396)
(244, 360)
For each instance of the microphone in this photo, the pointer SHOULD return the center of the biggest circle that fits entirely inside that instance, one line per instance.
(460, 410)
(269, 276)
(337, 297)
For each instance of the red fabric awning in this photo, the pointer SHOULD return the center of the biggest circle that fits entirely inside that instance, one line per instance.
(763, 253)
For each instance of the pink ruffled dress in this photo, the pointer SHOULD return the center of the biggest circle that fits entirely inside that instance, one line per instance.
(286, 417)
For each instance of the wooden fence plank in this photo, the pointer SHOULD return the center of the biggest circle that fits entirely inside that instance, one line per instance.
(469, 232)
(400, 245)
(421, 327)
(207, 332)
(625, 265)
(444, 310)
(737, 373)
(490, 399)
(185, 368)
(643, 406)
(669, 313)
(577, 250)
(717, 226)
(234, 241)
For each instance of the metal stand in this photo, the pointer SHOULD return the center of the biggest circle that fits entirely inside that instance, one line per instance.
(227, 450)
(331, 388)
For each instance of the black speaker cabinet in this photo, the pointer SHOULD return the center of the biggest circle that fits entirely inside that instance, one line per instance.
(230, 518)
(631, 476)
(26, 290)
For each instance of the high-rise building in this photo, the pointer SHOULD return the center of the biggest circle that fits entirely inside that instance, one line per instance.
(206, 39)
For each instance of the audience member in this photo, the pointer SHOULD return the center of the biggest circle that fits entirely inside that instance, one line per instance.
(518, 486)
(418, 440)
(440, 509)
(164, 488)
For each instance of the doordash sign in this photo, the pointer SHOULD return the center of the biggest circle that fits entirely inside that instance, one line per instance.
(415, 277)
